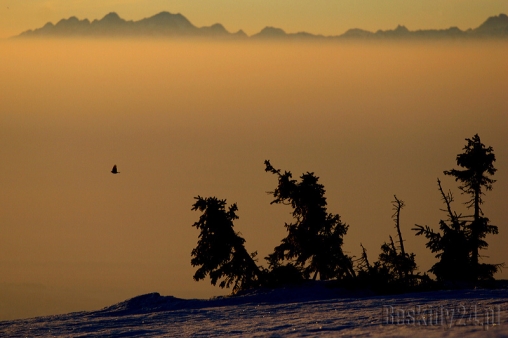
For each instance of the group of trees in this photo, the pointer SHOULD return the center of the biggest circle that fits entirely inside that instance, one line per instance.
(313, 245)
(395, 268)
(461, 238)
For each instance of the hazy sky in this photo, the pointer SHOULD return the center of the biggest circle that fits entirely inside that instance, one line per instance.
(186, 119)
(183, 119)
(329, 17)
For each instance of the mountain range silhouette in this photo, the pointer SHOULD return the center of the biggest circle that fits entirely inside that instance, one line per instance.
(166, 24)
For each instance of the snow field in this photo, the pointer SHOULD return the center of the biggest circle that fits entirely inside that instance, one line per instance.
(292, 312)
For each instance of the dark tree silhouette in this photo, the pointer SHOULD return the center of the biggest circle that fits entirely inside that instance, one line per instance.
(314, 240)
(477, 161)
(451, 244)
(363, 262)
(373, 276)
(398, 205)
(400, 265)
(394, 270)
(220, 251)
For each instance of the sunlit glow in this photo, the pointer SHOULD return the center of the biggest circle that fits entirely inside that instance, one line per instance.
(182, 119)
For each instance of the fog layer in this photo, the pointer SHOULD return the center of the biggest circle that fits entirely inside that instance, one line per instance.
(184, 119)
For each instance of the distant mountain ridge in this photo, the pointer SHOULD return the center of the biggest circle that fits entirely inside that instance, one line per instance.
(166, 24)
(159, 25)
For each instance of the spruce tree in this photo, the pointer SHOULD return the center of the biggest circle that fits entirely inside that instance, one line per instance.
(477, 162)
(314, 240)
(220, 252)
(394, 270)
(451, 244)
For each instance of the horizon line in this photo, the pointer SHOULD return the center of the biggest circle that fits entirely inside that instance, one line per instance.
(355, 32)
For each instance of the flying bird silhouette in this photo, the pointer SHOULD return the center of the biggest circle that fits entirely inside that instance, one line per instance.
(114, 170)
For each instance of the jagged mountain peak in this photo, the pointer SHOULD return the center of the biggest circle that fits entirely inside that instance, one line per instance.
(112, 17)
(168, 24)
(241, 33)
(70, 20)
(496, 20)
(401, 29)
(495, 25)
(166, 14)
(271, 32)
(168, 17)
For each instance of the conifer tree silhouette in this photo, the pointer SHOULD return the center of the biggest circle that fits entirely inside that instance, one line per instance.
(399, 264)
(394, 270)
(478, 162)
(314, 240)
(220, 252)
(451, 245)
(462, 238)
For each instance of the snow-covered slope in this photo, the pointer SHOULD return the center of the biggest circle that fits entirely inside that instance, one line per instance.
(305, 311)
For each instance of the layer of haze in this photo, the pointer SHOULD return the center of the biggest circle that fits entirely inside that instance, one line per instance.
(182, 119)
(318, 16)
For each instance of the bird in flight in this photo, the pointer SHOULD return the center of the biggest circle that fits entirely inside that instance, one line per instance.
(114, 170)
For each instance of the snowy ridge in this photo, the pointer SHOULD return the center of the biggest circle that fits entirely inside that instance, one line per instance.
(303, 311)
(154, 302)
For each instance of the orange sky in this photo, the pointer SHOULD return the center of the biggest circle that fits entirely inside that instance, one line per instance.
(329, 17)
(185, 119)
(182, 119)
